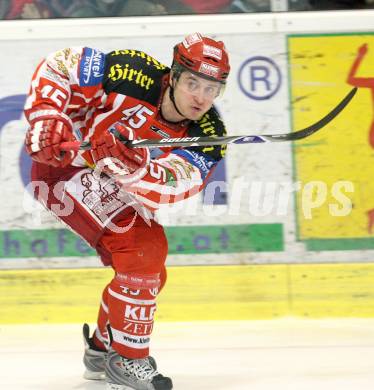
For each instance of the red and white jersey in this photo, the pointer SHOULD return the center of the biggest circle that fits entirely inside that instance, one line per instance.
(92, 91)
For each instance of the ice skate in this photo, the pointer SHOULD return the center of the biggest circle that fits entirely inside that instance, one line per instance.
(134, 374)
(93, 359)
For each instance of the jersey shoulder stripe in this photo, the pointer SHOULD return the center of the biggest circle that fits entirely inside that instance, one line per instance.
(134, 73)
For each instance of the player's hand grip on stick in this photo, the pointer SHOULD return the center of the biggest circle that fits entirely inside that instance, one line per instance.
(111, 151)
(208, 141)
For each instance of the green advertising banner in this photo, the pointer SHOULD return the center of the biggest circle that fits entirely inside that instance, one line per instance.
(182, 240)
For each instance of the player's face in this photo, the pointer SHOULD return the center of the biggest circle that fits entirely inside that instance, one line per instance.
(194, 95)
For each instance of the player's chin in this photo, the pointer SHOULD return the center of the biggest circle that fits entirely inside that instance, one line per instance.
(195, 113)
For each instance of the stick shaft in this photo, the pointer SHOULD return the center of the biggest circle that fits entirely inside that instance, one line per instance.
(243, 139)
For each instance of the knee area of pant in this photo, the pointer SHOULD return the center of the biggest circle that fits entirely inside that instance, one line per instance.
(159, 243)
(143, 249)
(135, 281)
(149, 256)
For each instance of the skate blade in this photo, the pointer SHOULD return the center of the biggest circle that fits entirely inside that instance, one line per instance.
(94, 376)
(113, 386)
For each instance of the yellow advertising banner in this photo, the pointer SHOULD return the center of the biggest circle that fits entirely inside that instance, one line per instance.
(335, 167)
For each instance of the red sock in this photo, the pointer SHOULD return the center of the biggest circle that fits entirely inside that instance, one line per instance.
(100, 337)
(132, 304)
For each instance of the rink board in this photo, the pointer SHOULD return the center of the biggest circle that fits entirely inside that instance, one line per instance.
(197, 293)
(257, 225)
(289, 75)
(341, 152)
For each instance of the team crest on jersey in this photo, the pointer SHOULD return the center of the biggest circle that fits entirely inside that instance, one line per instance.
(100, 196)
(91, 69)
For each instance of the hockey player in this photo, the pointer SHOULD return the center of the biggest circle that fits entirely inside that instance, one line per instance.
(81, 94)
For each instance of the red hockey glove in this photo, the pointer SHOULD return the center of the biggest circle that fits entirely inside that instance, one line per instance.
(43, 139)
(116, 159)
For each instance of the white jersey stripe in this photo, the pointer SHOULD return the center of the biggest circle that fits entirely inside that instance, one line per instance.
(117, 103)
(104, 306)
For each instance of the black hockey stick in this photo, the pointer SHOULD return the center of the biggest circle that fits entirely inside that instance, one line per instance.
(208, 141)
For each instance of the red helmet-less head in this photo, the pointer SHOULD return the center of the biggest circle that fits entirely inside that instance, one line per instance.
(204, 56)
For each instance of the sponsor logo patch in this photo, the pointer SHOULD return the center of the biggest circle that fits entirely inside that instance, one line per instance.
(140, 313)
(200, 161)
(125, 72)
(159, 131)
(211, 51)
(150, 61)
(191, 40)
(209, 70)
(91, 67)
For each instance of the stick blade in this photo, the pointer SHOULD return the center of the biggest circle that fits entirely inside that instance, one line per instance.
(315, 126)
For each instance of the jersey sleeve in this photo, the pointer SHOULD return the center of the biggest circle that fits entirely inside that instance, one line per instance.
(72, 71)
(183, 172)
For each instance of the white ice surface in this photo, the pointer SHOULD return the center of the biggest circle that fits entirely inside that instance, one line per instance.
(286, 354)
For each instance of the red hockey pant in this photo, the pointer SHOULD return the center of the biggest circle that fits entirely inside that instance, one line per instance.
(136, 248)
